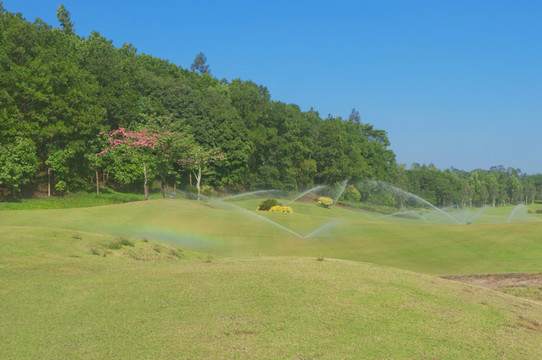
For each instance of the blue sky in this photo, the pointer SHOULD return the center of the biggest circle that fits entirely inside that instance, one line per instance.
(454, 83)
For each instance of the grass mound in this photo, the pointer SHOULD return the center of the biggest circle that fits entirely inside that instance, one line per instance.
(79, 305)
(141, 250)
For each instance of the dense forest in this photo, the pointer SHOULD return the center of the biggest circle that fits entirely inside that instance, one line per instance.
(78, 112)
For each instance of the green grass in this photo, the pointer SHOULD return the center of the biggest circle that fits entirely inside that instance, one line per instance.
(74, 200)
(490, 247)
(527, 292)
(60, 300)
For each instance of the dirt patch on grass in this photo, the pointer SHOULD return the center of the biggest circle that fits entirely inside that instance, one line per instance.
(529, 324)
(498, 281)
(526, 286)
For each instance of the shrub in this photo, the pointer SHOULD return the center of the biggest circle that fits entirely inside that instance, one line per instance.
(191, 192)
(268, 204)
(61, 186)
(119, 243)
(208, 191)
(126, 242)
(282, 209)
(115, 245)
(191, 189)
(325, 202)
(351, 194)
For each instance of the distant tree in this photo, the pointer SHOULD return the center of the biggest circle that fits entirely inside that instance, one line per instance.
(354, 117)
(530, 191)
(63, 16)
(514, 188)
(199, 64)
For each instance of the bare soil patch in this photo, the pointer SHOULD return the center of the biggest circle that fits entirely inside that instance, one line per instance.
(529, 324)
(526, 286)
(498, 281)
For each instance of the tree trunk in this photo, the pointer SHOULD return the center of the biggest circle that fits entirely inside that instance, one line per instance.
(164, 186)
(97, 182)
(190, 179)
(198, 179)
(145, 186)
(175, 188)
(48, 182)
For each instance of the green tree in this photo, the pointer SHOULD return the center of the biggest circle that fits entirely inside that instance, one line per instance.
(60, 162)
(200, 65)
(63, 16)
(514, 188)
(198, 160)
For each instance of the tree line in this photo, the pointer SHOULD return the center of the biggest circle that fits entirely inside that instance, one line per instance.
(59, 91)
(64, 98)
(452, 187)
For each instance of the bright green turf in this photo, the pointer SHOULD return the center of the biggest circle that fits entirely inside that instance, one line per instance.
(490, 247)
(59, 301)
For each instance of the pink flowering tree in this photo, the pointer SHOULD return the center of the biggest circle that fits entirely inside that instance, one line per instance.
(198, 161)
(146, 143)
(162, 148)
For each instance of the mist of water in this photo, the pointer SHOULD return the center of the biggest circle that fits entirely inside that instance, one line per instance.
(257, 192)
(516, 209)
(423, 201)
(322, 228)
(342, 187)
(314, 189)
(260, 217)
(413, 212)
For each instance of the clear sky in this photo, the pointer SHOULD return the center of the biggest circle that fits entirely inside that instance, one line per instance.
(454, 83)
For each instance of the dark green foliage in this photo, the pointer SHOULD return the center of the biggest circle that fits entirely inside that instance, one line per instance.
(199, 64)
(351, 194)
(268, 204)
(63, 16)
(18, 163)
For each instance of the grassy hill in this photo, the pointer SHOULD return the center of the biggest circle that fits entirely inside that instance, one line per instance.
(62, 298)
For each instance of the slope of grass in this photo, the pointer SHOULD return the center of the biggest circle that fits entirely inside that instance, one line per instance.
(346, 234)
(60, 300)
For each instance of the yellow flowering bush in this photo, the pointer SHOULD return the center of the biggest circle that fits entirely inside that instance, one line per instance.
(282, 209)
(325, 201)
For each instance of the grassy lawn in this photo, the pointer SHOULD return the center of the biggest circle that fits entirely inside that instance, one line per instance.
(75, 200)
(222, 229)
(62, 298)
